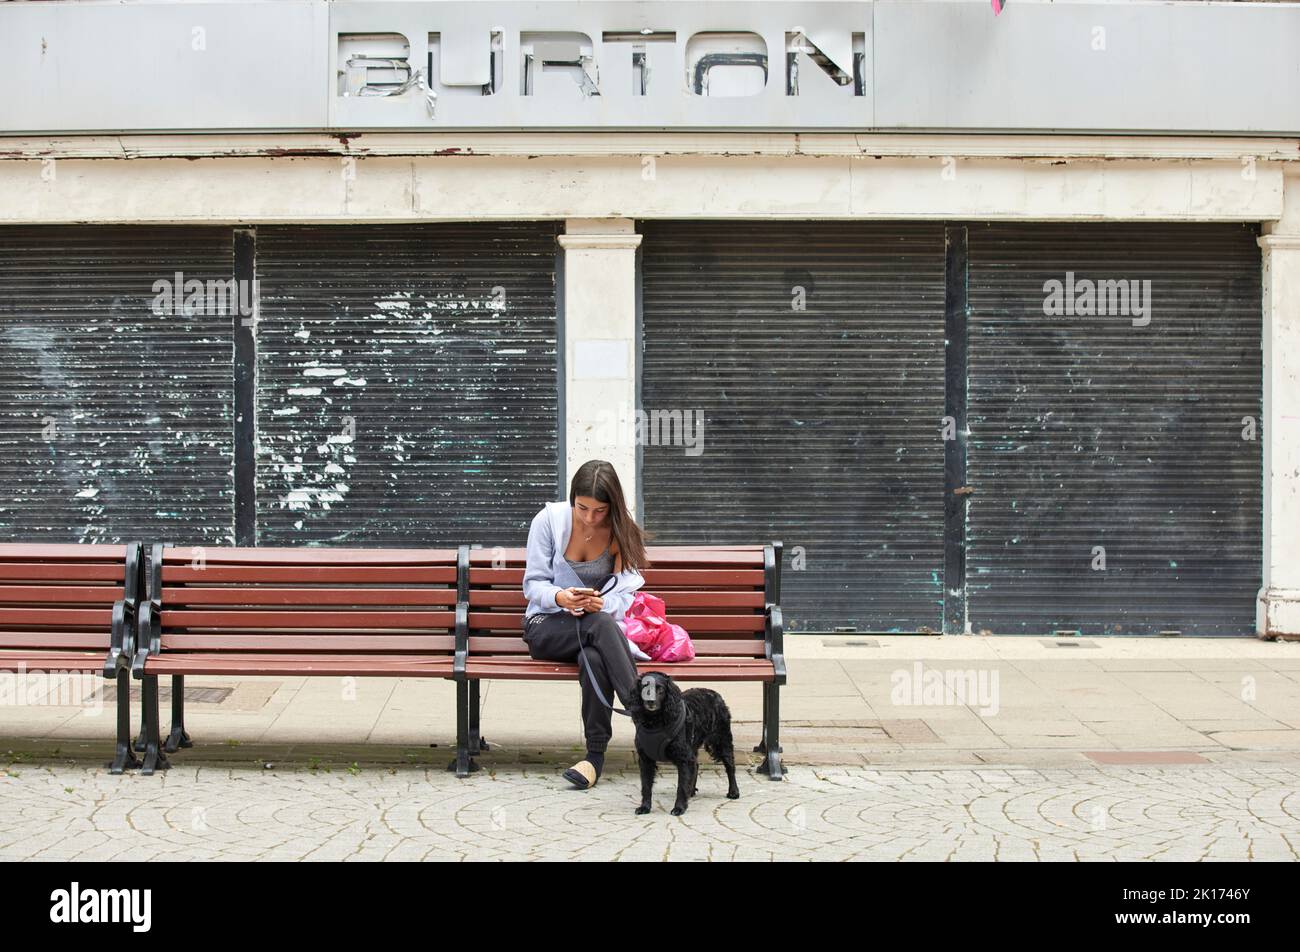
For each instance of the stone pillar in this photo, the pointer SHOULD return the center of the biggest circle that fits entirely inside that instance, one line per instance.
(1278, 610)
(599, 337)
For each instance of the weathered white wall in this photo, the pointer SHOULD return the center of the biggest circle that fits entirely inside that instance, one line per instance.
(512, 187)
(1278, 610)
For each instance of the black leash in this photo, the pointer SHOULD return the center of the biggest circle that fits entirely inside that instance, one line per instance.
(609, 585)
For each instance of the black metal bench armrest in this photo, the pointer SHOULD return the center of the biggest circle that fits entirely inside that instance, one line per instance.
(122, 640)
(774, 625)
(131, 593)
(462, 613)
(774, 638)
(462, 642)
(148, 636)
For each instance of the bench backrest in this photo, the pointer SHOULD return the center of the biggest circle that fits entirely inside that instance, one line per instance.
(717, 593)
(62, 596)
(351, 601)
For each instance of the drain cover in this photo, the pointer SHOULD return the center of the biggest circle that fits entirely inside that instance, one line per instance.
(197, 695)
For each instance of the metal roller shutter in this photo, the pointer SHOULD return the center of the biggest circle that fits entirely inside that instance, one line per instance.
(117, 421)
(1089, 433)
(407, 382)
(822, 427)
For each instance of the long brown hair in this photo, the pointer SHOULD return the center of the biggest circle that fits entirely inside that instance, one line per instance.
(597, 479)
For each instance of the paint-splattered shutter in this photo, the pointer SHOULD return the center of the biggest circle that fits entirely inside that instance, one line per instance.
(407, 382)
(116, 423)
(815, 354)
(1115, 456)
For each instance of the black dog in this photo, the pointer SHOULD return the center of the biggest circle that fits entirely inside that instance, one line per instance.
(672, 725)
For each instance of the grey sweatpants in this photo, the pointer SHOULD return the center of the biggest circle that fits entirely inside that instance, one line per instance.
(554, 637)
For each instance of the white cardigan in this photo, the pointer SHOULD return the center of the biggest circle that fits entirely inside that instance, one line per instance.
(548, 571)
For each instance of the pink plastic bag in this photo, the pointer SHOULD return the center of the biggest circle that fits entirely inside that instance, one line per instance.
(646, 625)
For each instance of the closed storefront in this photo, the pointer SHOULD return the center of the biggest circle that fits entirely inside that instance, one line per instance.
(1115, 447)
(1103, 456)
(407, 388)
(393, 385)
(814, 354)
(1003, 427)
(117, 417)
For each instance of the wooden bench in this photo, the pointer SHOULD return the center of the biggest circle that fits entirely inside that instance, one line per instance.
(727, 597)
(304, 612)
(72, 608)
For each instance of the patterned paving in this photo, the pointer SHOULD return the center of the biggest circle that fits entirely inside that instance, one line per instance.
(518, 812)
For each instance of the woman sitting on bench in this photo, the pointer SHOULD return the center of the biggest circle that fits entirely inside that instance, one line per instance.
(573, 547)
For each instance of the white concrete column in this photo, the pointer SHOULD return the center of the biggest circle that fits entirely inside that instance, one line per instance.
(599, 346)
(1278, 610)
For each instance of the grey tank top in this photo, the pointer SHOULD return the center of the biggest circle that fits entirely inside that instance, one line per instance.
(593, 571)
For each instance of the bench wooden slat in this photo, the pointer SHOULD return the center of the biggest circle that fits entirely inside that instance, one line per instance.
(323, 574)
(504, 669)
(710, 555)
(669, 666)
(696, 578)
(57, 552)
(216, 555)
(19, 594)
(265, 595)
(707, 647)
(53, 660)
(14, 617)
(692, 623)
(60, 572)
(514, 598)
(301, 665)
(282, 642)
(82, 640)
(254, 618)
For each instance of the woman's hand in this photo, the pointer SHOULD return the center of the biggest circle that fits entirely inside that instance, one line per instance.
(577, 601)
(570, 600)
(591, 603)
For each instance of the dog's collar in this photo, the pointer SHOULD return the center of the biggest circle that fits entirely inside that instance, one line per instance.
(655, 742)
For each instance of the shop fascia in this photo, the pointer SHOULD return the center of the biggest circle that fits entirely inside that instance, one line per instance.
(717, 62)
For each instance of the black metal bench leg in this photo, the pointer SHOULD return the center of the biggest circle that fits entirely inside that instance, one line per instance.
(477, 742)
(177, 738)
(154, 758)
(141, 740)
(771, 764)
(463, 763)
(762, 744)
(124, 757)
